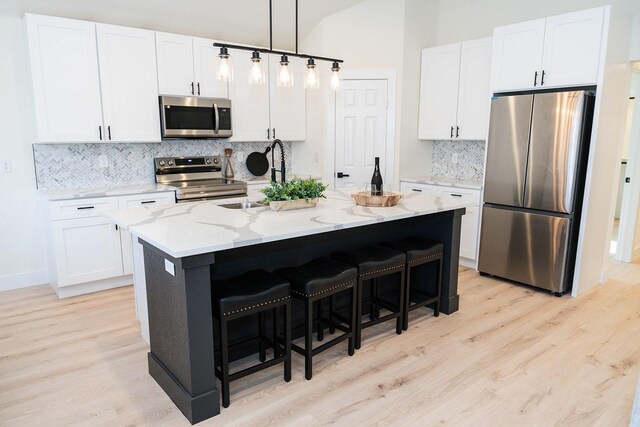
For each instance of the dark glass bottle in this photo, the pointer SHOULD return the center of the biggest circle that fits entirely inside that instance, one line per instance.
(376, 180)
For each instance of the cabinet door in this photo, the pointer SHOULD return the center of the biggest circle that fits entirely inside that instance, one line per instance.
(127, 252)
(474, 93)
(128, 80)
(439, 92)
(175, 64)
(86, 249)
(288, 104)
(249, 103)
(469, 233)
(66, 88)
(517, 56)
(572, 48)
(205, 64)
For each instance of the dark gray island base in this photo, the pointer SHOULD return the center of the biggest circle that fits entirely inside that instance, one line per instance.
(181, 359)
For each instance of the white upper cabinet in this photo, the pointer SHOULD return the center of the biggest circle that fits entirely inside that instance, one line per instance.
(454, 91)
(187, 66)
(249, 103)
(557, 51)
(128, 81)
(66, 87)
(288, 112)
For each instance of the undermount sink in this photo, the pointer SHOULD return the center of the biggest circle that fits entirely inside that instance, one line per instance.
(242, 205)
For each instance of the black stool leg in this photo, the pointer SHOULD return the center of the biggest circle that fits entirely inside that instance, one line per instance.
(308, 339)
(261, 346)
(401, 306)
(287, 341)
(358, 329)
(320, 325)
(332, 329)
(353, 319)
(224, 362)
(407, 297)
(276, 346)
(373, 314)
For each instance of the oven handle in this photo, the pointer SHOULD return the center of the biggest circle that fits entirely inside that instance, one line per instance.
(216, 119)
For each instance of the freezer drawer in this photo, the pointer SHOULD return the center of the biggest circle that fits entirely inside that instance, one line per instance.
(526, 247)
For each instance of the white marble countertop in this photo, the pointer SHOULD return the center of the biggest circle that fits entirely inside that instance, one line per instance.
(106, 191)
(193, 228)
(448, 182)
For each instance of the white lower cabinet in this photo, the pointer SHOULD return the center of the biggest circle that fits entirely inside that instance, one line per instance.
(88, 252)
(470, 220)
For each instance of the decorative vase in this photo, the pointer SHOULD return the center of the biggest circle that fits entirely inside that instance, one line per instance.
(229, 173)
(288, 205)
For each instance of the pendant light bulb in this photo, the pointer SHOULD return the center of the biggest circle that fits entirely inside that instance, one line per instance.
(225, 71)
(256, 75)
(311, 80)
(285, 79)
(335, 77)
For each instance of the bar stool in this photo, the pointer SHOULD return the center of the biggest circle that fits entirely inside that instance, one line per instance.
(314, 281)
(374, 262)
(419, 252)
(254, 292)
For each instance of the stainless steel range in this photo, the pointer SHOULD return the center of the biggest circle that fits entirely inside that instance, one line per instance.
(197, 178)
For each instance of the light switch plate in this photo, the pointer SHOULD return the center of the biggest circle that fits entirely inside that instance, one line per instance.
(169, 267)
(240, 156)
(454, 158)
(5, 165)
(103, 161)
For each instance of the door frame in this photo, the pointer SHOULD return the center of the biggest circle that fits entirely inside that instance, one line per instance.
(390, 151)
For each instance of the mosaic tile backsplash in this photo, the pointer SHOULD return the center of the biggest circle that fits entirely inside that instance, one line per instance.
(64, 166)
(470, 159)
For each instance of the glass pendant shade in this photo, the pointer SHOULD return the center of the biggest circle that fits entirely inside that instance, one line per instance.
(285, 78)
(225, 69)
(311, 80)
(335, 77)
(256, 74)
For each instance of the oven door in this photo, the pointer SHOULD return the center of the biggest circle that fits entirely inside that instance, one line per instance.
(192, 117)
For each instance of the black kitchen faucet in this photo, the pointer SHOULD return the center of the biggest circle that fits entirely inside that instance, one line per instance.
(273, 168)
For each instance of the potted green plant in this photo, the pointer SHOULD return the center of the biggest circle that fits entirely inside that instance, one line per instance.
(295, 194)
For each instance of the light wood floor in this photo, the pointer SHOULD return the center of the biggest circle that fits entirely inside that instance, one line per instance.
(511, 356)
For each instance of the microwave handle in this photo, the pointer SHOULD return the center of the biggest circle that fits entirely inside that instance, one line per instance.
(216, 119)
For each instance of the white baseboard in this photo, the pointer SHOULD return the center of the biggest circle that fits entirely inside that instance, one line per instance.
(604, 275)
(24, 280)
(470, 263)
(98, 285)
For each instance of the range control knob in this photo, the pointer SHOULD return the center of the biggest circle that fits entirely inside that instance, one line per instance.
(208, 161)
(170, 162)
(215, 160)
(161, 162)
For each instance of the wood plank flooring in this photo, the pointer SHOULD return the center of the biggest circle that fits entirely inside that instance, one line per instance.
(512, 356)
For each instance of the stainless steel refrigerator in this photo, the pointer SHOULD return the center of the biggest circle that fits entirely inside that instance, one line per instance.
(534, 183)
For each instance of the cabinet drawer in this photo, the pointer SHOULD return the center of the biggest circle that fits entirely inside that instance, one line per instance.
(164, 198)
(81, 208)
(471, 195)
(412, 188)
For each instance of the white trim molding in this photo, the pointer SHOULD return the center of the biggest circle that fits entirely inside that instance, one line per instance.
(24, 280)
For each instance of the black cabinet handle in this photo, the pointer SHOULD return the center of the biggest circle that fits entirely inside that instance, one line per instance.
(109, 132)
(457, 131)
(85, 207)
(535, 78)
(542, 79)
(268, 133)
(342, 175)
(274, 133)
(451, 135)
(416, 189)
(116, 227)
(147, 201)
(198, 88)
(100, 132)
(192, 91)
(455, 195)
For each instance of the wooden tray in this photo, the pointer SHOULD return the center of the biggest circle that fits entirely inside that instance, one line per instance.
(288, 205)
(387, 199)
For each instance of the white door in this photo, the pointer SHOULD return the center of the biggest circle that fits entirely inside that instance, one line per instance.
(439, 92)
(250, 103)
(474, 93)
(66, 88)
(517, 56)
(128, 80)
(205, 65)
(287, 104)
(572, 48)
(361, 132)
(175, 64)
(86, 249)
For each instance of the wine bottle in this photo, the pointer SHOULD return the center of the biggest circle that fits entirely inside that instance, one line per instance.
(376, 180)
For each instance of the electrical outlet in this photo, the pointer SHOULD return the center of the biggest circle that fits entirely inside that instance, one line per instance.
(103, 161)
(316, 157)
(5, 165)
(240, 156)
(454, 158)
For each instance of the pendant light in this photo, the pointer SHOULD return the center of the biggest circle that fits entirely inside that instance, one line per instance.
(256, 74)
(285, 78)
(311, 80)
(335, 76)
(225, 70)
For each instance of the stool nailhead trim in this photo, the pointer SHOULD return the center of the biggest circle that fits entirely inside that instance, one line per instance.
(381, 270)
(254, 306)
(425, 258)
(293, 291)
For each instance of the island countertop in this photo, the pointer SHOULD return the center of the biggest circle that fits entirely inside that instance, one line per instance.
(194, 228)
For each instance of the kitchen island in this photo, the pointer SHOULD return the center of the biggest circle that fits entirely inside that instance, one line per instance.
(187, 245)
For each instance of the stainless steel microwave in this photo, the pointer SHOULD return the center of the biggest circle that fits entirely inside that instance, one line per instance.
(195, 117)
